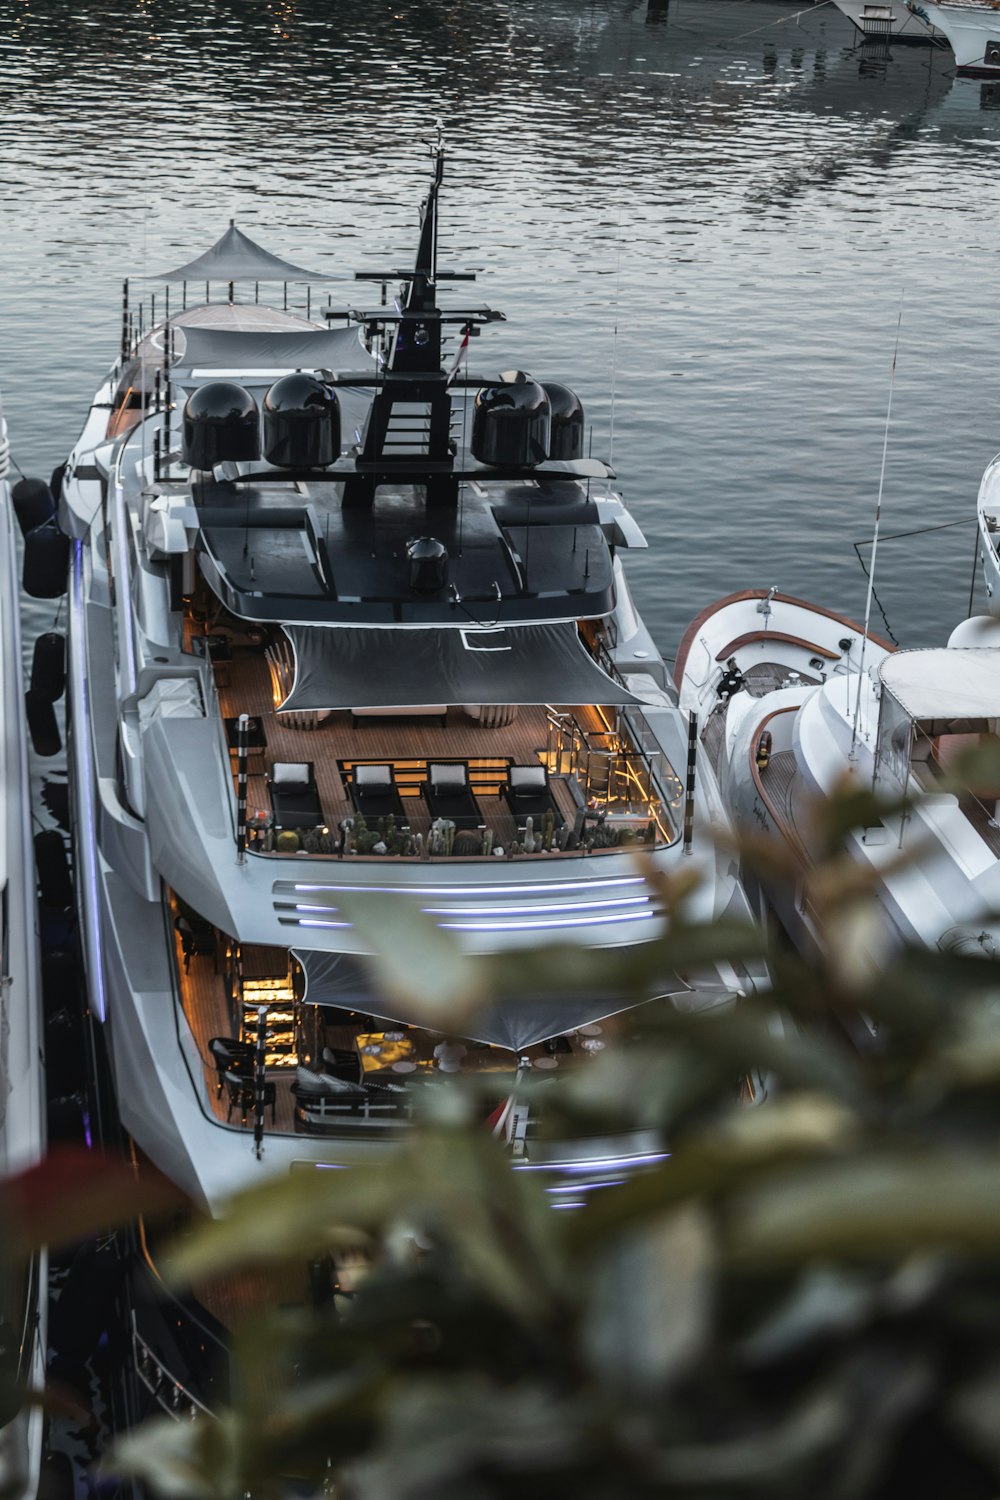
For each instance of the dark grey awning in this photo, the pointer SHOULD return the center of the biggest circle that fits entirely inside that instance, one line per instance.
(405, 668)
(236, 257)
(514, 1023)
(264, 348)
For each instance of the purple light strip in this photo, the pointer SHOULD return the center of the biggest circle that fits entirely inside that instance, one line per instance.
(87, 846)
(543, 888)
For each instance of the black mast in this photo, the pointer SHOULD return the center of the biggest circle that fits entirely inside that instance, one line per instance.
(410, 419)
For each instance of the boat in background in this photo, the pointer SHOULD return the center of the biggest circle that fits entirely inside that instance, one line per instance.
(890, 20)
(988, 521)
(24, 1308)
(972, 28)
(792, 699)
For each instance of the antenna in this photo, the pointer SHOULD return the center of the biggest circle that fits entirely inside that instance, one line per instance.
(878, 519)
(614, 335)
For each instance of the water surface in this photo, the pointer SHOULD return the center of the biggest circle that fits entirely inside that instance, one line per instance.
(704, 215)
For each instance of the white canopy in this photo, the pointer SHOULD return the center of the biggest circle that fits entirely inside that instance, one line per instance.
(945, 683)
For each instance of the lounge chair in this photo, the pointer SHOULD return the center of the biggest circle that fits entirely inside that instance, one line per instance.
(528, 795)
(375, 794)
(448, 794)
(294, 795)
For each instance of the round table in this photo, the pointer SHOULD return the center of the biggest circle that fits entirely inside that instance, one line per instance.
(404, 1066)
(594, 1029)
(545, 1062)
(592, 1045)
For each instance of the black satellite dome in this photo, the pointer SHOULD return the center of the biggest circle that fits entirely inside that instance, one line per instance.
(511, 423)
(427, 559)
(301, 423)
(220, 425)
(566, 436)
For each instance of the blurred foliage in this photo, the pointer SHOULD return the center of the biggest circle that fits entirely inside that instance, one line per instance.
(802, 1298)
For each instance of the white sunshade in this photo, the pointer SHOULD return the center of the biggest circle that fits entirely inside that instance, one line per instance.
(945, 683)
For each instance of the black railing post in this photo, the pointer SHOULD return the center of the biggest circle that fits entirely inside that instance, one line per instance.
(125, 320)
(689, 790)
(241, 786)
(260, 1058)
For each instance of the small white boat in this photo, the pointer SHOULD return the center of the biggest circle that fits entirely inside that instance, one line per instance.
(988, 517)
(973, 31)
(792, 699)
(22, 1078)
(890, 20)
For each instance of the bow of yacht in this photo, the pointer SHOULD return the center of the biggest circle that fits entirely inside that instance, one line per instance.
(794, 701)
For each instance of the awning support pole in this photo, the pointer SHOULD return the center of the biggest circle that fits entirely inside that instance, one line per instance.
(125, 327)
(260, 1058)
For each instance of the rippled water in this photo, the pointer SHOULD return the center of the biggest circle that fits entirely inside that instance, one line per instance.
(713, 209)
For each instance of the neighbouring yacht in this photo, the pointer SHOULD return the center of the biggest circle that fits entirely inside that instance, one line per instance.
(988, 521)
(346, 617)
(890, 20)
(23, 1312)
(972, 28)
(791, 699)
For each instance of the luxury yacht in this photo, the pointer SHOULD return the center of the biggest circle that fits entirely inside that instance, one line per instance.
(22, 1078)
(794, 701)
(348, 618)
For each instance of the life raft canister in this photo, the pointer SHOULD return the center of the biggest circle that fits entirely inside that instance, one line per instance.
(763, 752)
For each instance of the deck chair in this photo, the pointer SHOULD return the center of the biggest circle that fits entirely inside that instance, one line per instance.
(294, 795)
(375, 794)
(230, 1054)
(528, 795)
(448, 794)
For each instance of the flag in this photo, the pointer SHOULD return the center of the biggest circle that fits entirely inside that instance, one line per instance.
(460, 354)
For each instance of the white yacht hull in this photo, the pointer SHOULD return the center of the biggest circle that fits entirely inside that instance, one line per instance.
(22, 1079)
(972, 28)
(158, 1071)
(889, 20)
(125, 923)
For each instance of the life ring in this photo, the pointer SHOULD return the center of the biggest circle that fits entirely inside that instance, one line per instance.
(763, 752)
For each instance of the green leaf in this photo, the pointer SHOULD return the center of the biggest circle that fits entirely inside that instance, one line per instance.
(650, 1300)
(414, 961)
(870, 1207)
(190, 1460)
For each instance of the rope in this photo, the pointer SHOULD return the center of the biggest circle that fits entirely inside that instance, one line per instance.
(896, 536)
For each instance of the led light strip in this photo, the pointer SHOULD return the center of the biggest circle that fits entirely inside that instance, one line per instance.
(516, 889)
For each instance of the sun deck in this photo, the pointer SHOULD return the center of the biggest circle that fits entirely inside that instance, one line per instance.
(606, 793)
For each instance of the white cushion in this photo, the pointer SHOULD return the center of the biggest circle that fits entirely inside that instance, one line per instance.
(333, 1085)
(308, 1080)
(449, 776)
(290, 773)
(372, 776)
(527, 776)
